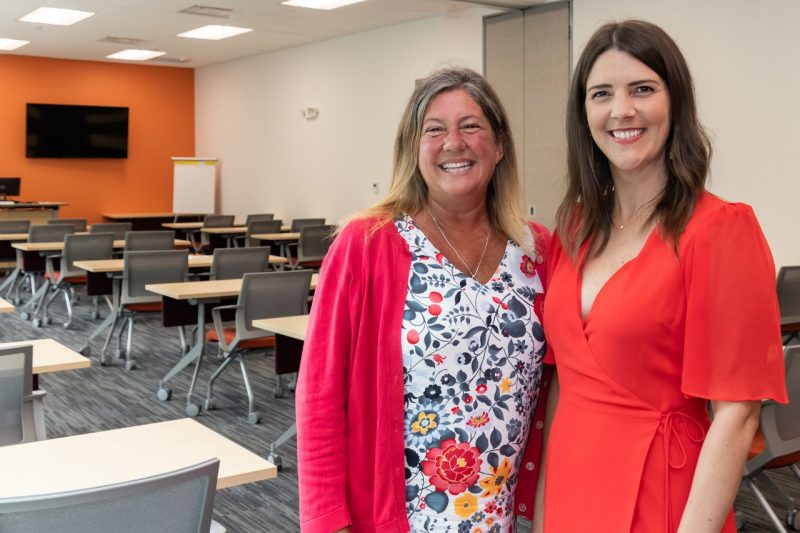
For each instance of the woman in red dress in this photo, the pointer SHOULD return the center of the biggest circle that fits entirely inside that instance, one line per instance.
(661, 298)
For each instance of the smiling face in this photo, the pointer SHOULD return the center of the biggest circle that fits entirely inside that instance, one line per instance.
(628, 112)
(457, 149)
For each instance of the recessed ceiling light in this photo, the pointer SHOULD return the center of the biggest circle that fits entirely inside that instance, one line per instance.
(12, 44)
(136, 55)
(320, 4)
(57, 16)
(214, 32)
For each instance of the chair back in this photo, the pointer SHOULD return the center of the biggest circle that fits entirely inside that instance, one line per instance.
(314, 242)
(85, 247)
(142, 268)
(270, 295)
(262, 216)
(300, 222)
(218, 221)
(789, 291)
(14, 226)
(50, 232)
(144, 241)
(79, 223)
(780, 424)
(15, 386)
(180, 501)
(261, 226)
(234, 263)
(117, 228)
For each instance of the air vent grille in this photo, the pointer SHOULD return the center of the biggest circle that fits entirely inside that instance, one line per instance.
(207, 11)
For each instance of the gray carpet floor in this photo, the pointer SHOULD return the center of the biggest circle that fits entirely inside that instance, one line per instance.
(110, 397)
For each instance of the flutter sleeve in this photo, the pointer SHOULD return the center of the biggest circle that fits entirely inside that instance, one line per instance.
(732, 344)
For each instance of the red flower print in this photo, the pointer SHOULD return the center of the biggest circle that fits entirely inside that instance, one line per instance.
(499, 302)
(435, 297)
(468, 399)
(439, 358)
(455, 410)
(412, 337)
(490, 507)
(435, 309)
(479, 420)
(480, 389)
(453, 467)
(528, 267)
(439, 258)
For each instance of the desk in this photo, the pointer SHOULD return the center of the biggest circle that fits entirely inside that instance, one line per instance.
(290, 332)
(282, 239)
(151, 221)
(36, 212)
(59, 246)
(6, 307)
(198, 293)
(94, 459)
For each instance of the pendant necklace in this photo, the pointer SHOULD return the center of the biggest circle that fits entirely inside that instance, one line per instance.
(630, 218)
(472, 274)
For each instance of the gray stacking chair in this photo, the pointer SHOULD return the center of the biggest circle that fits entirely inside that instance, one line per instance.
(234, 263)
(79, 223)
(209, 242)
(777, 444)
(21, 410)
(140, 269)
(118, 229)
(180, 501)
(260, 226)
(14, 226)
(32, 264)
(148, 241)
(298, 223)
(263, 295)
(7, 252)
(76, 248)
(789, 302)
(239, 241)
(312, 246)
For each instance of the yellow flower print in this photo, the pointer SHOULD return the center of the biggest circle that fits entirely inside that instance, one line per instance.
(466, 505)
(425, 422)
(492, 485)
(505, 385)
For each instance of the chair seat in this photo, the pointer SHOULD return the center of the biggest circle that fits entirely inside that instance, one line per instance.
(68, 279)
(145, 307)
(758, 446)
(249, 344)
(790, 328)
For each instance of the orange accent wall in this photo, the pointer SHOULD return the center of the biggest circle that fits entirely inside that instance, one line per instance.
(161, 102)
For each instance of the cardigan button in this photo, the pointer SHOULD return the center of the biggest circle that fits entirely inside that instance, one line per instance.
(539, 424)
(529, 465)
(522, 508)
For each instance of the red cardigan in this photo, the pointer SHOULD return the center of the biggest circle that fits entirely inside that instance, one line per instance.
(350, 392)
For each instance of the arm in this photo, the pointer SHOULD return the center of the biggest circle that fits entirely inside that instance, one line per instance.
(719, 467)
(552, 402)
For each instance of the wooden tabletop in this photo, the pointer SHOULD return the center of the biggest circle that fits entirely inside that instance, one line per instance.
(51, 356)
(195, 261)
(229, 230)
(6, 307)
(219, 288)
(123, 216)
(291, 326)
(13, 236)
(287, 236)
(118, 455)
(58, 246)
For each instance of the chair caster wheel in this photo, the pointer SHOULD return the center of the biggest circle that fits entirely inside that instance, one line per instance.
(24, 315)
(209, 405)
(793, 519)
(36, 323)
(193, 410)
(277, 392)
(130, 364)
(275, 459)
(254, 418)
(164, 394)
(45, 321)
(86, 351)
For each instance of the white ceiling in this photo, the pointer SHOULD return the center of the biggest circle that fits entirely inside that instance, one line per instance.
(157, 22)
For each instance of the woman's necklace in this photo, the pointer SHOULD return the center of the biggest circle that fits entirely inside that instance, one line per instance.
(635, 212)
(472, 274)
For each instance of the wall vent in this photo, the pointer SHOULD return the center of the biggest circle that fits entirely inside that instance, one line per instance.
(207, 11)
(123, 40)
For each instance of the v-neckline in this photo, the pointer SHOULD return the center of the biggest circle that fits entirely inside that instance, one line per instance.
(624, 266)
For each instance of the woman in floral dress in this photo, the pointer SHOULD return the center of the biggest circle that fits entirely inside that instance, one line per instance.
(422, 365)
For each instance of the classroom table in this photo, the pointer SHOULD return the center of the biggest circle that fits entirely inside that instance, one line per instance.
(6, 307)
(118, 455)
(151, 221)
(199, 293)
(110, 267)
(290, 332)
(282, 239)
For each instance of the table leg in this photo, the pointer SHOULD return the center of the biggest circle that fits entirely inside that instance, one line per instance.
(9, 282)
(196, 355)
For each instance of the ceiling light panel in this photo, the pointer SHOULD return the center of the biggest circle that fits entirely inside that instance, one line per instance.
(56, 16)
(136, 55)
(214, 32)
(320, 4)
(7, 45)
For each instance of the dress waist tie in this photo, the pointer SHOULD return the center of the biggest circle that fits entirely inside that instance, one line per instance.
(671, 435)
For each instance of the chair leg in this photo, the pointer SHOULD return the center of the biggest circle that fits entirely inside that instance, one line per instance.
(130, 362)
(68, 302)
(184, 343)
(776, 522)
(252, 416)
(209, 403)
(110, 334)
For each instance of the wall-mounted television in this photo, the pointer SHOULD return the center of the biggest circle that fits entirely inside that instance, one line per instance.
(53, 130)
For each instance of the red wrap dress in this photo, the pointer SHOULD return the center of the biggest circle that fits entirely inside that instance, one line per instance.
(666, 333)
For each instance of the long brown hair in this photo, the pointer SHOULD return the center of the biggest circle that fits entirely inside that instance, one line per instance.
(409, 193)
(586, 211)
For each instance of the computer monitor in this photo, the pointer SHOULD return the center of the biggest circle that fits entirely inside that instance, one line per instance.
(9, 187)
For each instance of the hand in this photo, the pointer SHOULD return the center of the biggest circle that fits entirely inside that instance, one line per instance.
(343, 530)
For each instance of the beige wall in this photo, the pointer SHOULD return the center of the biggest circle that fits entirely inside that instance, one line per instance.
(744, 58)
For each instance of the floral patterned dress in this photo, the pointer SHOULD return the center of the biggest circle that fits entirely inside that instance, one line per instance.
(472, 361)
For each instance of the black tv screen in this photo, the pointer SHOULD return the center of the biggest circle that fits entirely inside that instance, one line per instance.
(76, 131)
